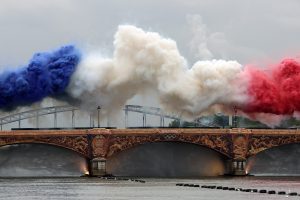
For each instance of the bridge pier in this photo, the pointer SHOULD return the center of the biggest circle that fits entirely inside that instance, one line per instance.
(237, 167)
(98, 167)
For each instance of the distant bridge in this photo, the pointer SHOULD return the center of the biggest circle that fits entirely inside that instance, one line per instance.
(54, 110)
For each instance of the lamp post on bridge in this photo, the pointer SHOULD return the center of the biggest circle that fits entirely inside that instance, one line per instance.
(98, 108)
(235, 117)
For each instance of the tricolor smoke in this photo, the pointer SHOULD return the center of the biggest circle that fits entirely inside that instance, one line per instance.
(143, 61)
(47, 74)
(276, 92)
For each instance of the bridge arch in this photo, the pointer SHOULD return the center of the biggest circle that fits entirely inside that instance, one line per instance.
(167, 159)
(40, 159)
(116, 149)
(270, 148)
(260, 143)
(281, 160)
(218, 143)
(77, 144)
(45, 143)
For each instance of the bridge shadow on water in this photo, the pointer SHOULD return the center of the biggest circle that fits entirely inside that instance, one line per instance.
(31, 160)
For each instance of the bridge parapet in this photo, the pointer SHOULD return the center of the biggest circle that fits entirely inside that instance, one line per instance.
(275, 131)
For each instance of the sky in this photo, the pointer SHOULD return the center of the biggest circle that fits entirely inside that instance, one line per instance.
(251, 32)
(247, 31)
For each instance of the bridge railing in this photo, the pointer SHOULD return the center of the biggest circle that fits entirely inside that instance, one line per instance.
(36, 113)
(144, 110)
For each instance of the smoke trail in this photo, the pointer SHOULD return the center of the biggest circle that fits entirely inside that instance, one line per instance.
(47, 74)
(273, 93)
(277, 92)
(144, 60)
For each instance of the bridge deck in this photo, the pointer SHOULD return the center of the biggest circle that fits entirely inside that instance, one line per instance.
(189, 131)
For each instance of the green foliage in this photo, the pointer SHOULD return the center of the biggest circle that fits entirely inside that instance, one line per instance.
(291, 122)
(242, 122)
(245, 122)
(214, 121)
(176, 123)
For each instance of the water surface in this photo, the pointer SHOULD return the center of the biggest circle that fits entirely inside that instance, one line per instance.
(96, 188)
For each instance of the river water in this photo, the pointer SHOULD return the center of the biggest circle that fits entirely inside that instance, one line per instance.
(96, 188)
(156, 160)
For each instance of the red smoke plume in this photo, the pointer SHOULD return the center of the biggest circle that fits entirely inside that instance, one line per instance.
(276, 92)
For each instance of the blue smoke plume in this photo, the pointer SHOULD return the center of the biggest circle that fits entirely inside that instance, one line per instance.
(47, 74)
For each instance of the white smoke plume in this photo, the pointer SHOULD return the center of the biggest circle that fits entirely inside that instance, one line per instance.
(205, 43)
(145, 60)
(200, 37)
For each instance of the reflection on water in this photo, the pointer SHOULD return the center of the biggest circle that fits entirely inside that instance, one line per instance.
(167, 159)
(40, 160)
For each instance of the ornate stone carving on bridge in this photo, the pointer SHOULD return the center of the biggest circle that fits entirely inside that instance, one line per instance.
(78, 144)
(100, 145)
(260, 143)
(238, 144)
(240, 147)
(240, 139)
(220, 143)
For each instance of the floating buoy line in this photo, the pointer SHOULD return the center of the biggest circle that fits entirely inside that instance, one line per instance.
(262, 191)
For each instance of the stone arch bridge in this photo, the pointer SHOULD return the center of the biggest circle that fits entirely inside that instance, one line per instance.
(96, 145)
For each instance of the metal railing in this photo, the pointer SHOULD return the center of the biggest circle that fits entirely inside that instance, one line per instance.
(148, 111)
(36, 113)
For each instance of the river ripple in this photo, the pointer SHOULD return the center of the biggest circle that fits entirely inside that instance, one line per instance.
(96, 188)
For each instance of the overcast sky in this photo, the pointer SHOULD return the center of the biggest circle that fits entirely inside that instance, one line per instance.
(247, 31)
(256, 31)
